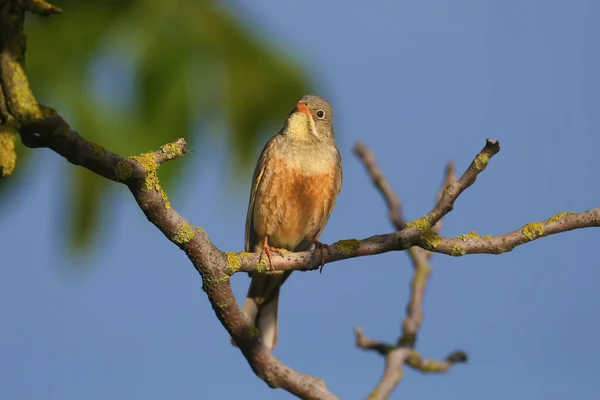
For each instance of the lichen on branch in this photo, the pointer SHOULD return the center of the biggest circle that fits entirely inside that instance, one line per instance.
(42, 127)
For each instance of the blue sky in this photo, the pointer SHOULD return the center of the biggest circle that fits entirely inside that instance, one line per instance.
(421, 83)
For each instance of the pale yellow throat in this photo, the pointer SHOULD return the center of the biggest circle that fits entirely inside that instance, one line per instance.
(301, 126)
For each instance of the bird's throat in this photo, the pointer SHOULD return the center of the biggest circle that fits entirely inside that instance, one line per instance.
(299, 126)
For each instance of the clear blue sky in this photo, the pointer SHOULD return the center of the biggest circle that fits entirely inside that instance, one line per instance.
(421, 82)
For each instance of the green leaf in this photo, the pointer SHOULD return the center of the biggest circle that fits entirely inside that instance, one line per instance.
(133, 75)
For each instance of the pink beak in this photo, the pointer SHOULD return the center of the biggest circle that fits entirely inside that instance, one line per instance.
(303, 108)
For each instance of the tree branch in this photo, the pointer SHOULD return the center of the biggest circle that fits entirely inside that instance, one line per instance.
(139, 173)
(422, 270)
(41, 126)
(403, 352)
(389, 196)
(421, 233)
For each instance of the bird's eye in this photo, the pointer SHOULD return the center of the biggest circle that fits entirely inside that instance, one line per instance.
(320, 114)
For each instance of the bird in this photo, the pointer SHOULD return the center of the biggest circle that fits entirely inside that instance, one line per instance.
(295, 185)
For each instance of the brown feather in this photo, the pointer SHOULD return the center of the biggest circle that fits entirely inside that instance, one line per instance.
(295, 186)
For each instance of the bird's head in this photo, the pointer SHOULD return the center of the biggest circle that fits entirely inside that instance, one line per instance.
(311, 119)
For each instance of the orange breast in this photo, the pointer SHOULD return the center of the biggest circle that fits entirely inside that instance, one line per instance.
(291, 206)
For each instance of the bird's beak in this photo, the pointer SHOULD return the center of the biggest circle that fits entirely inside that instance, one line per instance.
(302, 108)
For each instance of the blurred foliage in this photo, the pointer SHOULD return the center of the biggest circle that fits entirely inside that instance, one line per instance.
(132, 75)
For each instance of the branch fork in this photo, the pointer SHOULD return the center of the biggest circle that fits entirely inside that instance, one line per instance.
(42, 127)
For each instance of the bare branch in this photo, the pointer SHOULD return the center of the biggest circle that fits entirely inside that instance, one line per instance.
(392, 373)
(139, 173)
(40, 7)
(41, 126)
(395, 358)
(403, 353)
(365, 343)
(422, 269)
(454, 189)
(435, 366)
(449, 177)
(421, 233)
(393, 202)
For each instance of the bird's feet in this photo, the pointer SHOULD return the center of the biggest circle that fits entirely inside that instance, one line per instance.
(322, 247)
(268, 250)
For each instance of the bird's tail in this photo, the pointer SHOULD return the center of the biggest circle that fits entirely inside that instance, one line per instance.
(261, 305)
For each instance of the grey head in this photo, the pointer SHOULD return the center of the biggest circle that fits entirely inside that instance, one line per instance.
(311, 119)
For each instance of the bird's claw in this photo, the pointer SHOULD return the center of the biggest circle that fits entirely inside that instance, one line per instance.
(268, 250)
(320, 246)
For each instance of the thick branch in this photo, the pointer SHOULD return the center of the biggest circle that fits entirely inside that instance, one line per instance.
(42, 127)
(423, 232)
(423, 236)
(139, 173)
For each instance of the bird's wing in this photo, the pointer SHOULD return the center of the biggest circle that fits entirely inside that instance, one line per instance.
(251, 239)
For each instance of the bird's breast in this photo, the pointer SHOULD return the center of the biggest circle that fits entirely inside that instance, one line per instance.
(294, 199)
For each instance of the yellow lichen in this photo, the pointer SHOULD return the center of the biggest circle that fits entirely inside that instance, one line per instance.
(171, 150)
(427, 235)
(147, 160)
(481, 161)
(253, 330)
(163, 194)
(24, 105)
(449, 190)
(244, 255)
(532, 230)
(457, 251)
(347, 246)
(469, 236)
(222, 279)
(8, 155)
(234, 262)
(263, 265)
(414, 357)
(184, 234)
(486, 237)
(97, 148)
(430, 366)
(373, 395)
(559, 216)
(123, 170)
(421, 275)
(425, 365)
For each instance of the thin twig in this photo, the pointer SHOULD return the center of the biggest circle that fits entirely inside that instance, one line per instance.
(403, 353)
(449, 177)
(422, 270)
(43, 127)
(391, 199)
